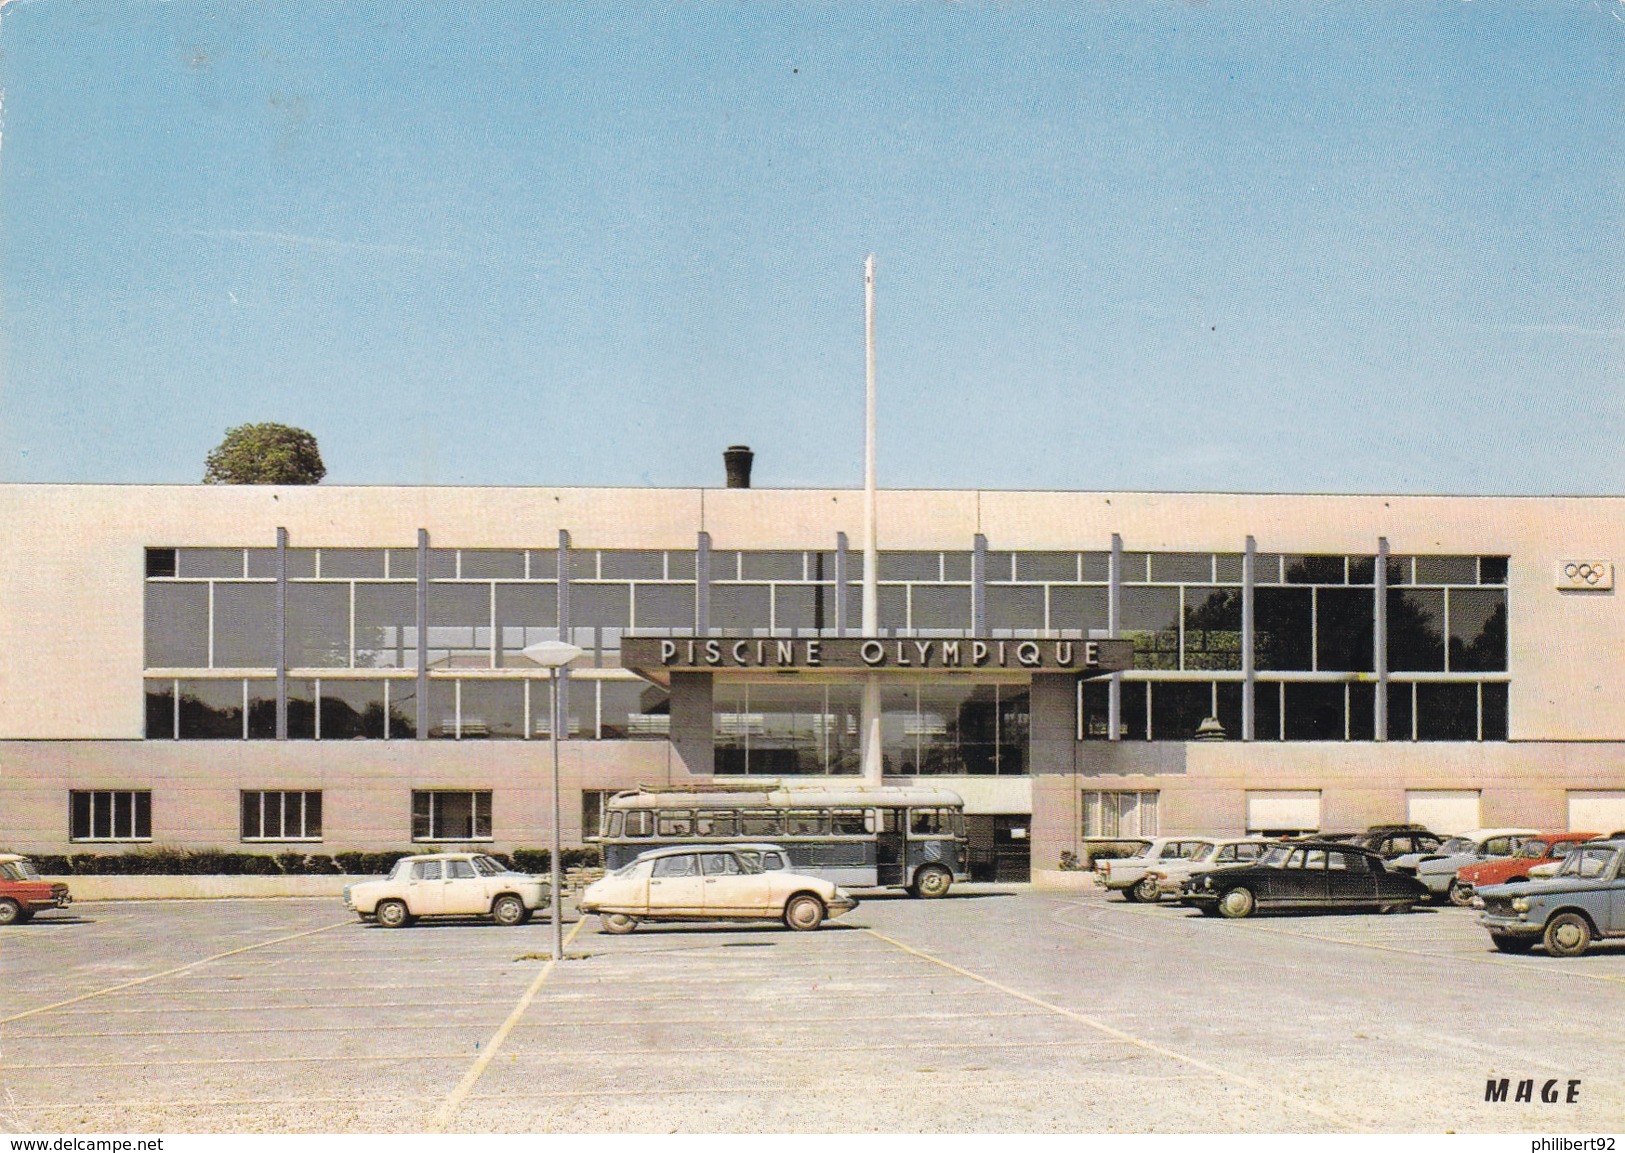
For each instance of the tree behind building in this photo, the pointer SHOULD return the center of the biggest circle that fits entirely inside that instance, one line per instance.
(265, 454)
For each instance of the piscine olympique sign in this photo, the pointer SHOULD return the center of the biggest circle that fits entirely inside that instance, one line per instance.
(965, 654)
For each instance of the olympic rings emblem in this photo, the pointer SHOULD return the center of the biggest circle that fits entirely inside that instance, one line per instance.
(1589, 573)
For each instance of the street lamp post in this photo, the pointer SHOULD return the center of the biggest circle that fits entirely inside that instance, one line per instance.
(554, 656)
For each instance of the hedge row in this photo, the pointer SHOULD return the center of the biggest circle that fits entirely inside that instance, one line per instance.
(212, 862)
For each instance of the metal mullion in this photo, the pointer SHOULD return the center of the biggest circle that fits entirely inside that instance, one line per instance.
(352, 618)
(457, 709)
(245, 708)
(1181, 627)
(1314, 628)
(495, 655)
(211, 624)
(1444, 594)
(316, 707)
(175, 708)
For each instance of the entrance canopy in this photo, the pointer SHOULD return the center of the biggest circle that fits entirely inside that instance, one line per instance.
(656, 658)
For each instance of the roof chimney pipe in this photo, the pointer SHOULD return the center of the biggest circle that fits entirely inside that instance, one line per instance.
(737, 460)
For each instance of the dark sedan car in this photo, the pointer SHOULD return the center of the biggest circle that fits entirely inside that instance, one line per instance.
(1304, 875)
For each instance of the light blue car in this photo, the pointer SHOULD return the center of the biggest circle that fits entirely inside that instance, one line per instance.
(1585, 901)
(1437, 870)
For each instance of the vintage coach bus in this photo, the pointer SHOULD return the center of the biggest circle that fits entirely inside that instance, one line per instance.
(855, 835)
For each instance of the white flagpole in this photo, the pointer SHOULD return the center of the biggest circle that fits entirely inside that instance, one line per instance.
(873, 770)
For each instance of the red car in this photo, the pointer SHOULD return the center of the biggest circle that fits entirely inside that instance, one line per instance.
(23, 893)
(1541, 849)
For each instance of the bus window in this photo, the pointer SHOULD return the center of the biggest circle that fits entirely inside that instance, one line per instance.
(847, 823)
(639, 823)
(678, 823)
(761, 824)
(716, 824)
(806, 823)
(614, 826)
(928, 822)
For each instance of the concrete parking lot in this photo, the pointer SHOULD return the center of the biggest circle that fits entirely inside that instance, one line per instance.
(997, 1009)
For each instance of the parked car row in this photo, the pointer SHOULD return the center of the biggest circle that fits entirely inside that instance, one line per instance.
(1564, 890)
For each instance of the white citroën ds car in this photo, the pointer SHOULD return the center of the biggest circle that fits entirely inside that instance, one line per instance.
(448, 885)
(711, 883)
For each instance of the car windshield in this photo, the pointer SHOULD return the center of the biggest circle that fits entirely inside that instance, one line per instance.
(1456, 845)
(1140, 851)
(19, 871)
(1276, 856)
(488, 866)
(1588, 863)
(1564, 848)
(402, 867)
(627, 869)
(1533, 849)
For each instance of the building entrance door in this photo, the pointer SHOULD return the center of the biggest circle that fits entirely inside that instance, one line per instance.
(998, 845)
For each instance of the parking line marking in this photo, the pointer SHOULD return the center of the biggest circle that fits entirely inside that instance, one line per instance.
(170, 972)
(444, 1114)
(1508, 963)
(326, 1059)
(1129, 1038)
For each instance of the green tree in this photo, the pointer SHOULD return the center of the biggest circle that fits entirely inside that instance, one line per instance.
(265, 454)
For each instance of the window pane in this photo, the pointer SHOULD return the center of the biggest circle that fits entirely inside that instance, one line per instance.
(1282, 623)
(459, 633)
(740, 608)
(245, 626)
(1047, 566)
(1478, 630)
(799, 606)
(1014, 723)
(386, 626)
(352, 709)
(319, 625)
(526, 614)
(945, 607)
(1362, 712)
(492, 564)
(1314, 712)
(1267, 711)
(1345, 626)
(211, 710)
(1415, 630)
(261, 710)
(493, 709)
(1447, 712)
(893, 608)
(1495, 711)
(680, 565)
(422, 815)
(161, 562)
(301, 710)
(1492, 570)
(1077, 608)
(1185, 567)
(956, 566)
(1399, 712)
(664, 606)
(633, 710)
(1133, 719)
(143, 815)
(1178, 709)
(1454, 570)
(910, 566)
(1150, 619)
(774, 566)
(1212, 628)
(313, 814)
(160, 710)
(1015, 607)
(352, 562)
(600, 606)
(251, 826)
(209, 562)
(177, 626)
(1314, 570)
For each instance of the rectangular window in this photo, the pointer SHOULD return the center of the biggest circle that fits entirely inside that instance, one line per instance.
(720, 823)
(352, 710)
(346, 563)
(451, 815)
(275, 815)
(594, 808)
(1015, 608)
(1119, 814)
(1315, 712)
(110, 815)
(160, 710)
(492, 708)
(386, 625)
(1212, 628)
(245, 625)
(1151, 620)
(177, 626)
(211, 710)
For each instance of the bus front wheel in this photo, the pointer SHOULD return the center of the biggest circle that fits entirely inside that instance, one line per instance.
(932, 881)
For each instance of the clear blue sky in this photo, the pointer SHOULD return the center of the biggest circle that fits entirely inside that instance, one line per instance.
(1224, 246)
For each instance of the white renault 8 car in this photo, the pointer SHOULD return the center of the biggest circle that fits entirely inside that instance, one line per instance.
(712, 883)
(448, 885)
